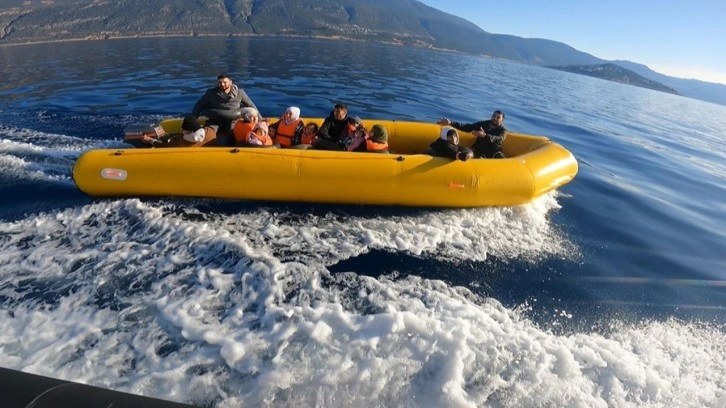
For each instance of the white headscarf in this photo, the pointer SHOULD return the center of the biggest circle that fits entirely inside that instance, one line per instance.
(445, 130)
(295, 114)
(249, 114)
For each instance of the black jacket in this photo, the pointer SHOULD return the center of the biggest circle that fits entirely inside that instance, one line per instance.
(488, 146)
(332, 128)
(444, 148)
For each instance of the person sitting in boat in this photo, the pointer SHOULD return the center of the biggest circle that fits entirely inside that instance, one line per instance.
(244, 125)
(259, 137)
(222, 105)
(447, 145)
(353, 131)
(310, 132)
(288, 131)
(193, 134)
(490, 135)
(332, 129)
(375, 141)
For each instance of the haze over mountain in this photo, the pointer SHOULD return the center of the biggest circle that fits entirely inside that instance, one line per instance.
(403, 22)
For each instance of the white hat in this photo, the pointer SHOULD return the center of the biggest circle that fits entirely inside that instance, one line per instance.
(447, 131)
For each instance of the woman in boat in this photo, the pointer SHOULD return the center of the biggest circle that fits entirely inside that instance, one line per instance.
(288, 131)
(246, 124)
(447, 145)
(490, 135)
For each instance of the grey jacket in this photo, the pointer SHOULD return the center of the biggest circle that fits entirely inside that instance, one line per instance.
(219, 105)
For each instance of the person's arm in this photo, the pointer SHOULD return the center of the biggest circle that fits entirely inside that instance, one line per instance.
(299, 129)
(497, 136)
(201, 104)
(324, 131)
(245, 101)
(469, 127)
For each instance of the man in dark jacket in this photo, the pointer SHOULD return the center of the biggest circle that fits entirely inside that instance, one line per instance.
(447, 145)
(490, 135)
(332, 129)
(222, 105)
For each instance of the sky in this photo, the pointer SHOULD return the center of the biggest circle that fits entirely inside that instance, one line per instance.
(685, 39)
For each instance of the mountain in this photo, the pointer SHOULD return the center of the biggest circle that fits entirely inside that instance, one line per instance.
(617, 73)
(693, 88)
(403, 22)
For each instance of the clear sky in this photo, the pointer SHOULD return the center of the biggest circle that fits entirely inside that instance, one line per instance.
(685, 39)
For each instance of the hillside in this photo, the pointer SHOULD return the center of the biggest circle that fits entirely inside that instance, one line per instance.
(405, 22)
(402, 22)
(616, 73)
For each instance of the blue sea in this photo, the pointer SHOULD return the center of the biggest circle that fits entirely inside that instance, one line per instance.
(609, 292)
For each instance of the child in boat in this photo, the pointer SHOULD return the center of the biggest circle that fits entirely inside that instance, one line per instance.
(287, 131)
(259, 136)
(447, 145)
(309, 133)
(375, 141)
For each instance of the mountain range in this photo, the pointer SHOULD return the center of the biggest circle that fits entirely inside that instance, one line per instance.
(402, 22)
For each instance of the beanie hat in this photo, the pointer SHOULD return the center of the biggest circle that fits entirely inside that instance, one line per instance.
(190, 124)
(263, 126)
(354, 119)
(379, 134)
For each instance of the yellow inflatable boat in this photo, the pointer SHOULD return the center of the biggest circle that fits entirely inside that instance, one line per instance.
(534, 166)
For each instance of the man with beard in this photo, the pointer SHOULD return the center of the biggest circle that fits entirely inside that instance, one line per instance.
(222, 105)
(490, 135)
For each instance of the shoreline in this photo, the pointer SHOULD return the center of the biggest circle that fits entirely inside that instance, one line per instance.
(142, 36)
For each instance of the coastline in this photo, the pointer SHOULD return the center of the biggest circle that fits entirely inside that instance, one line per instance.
(233, 35)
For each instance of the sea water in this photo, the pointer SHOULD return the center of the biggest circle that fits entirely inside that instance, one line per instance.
(609, 292)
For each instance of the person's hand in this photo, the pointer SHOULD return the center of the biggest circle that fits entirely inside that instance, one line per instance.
(444, 122)
(464, 156)
(479, 133)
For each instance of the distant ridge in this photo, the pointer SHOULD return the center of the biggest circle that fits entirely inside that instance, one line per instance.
(616, 73)
(400, 22)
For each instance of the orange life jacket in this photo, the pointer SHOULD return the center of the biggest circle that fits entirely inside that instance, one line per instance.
(242, 131)
(307, 139)
(265, 139)
(376, 147)
(286, 133)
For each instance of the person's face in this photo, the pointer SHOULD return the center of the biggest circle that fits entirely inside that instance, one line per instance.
(497, 119)
(261, 133)
(453, 137)
(340, 113)
(352, 126)
(310, 129)
(224, 84)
